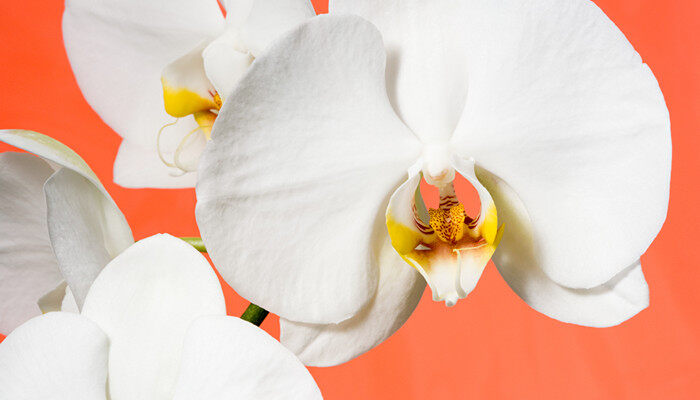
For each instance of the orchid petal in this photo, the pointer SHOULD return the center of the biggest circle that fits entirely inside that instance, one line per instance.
(54, 356)
(611, 303)
(28, 268)
(294, 183)
(51, 150)
(144, 300)
(398, 293)
(79, 211)
(86, 229)
(427, 58)
(561, 107)
(226, 358)
(118, 49)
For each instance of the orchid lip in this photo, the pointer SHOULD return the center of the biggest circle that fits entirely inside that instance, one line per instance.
(447, 246)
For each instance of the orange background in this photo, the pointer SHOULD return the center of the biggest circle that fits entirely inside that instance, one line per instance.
(491, 345)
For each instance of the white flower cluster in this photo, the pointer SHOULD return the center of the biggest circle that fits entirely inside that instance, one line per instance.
(308, 138)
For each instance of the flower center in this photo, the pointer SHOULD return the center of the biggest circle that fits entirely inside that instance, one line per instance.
(448, 247)
(448, 224)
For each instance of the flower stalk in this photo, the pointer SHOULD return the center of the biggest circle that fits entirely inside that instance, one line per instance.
(196, 242)
(254, 314)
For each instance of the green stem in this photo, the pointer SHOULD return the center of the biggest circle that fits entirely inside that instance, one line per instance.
(196, 242)
(254, 314)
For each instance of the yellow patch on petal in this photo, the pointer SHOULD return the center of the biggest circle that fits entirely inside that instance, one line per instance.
(403, 238)
(488, 228)
(180, 101)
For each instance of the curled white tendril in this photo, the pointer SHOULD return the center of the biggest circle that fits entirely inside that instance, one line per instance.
(177, 163)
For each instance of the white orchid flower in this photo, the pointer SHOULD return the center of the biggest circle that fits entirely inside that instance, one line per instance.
(154, 326)
(544, 107)
(141, 63)
(58, 227)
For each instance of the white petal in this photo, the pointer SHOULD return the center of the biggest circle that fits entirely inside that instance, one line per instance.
(609, 304)
(118, 48)
(144, 300)
(28, 268)
(138, 167)
(54, 356)
(228, 358)
(562, 108)
(51, 150)
(269, 20)
(427, 46)
(85, 226)
(225, 63)
(86, 229)
(293, 186)
(399, 291)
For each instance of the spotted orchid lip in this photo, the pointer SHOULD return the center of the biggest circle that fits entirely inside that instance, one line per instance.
(448, 247)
